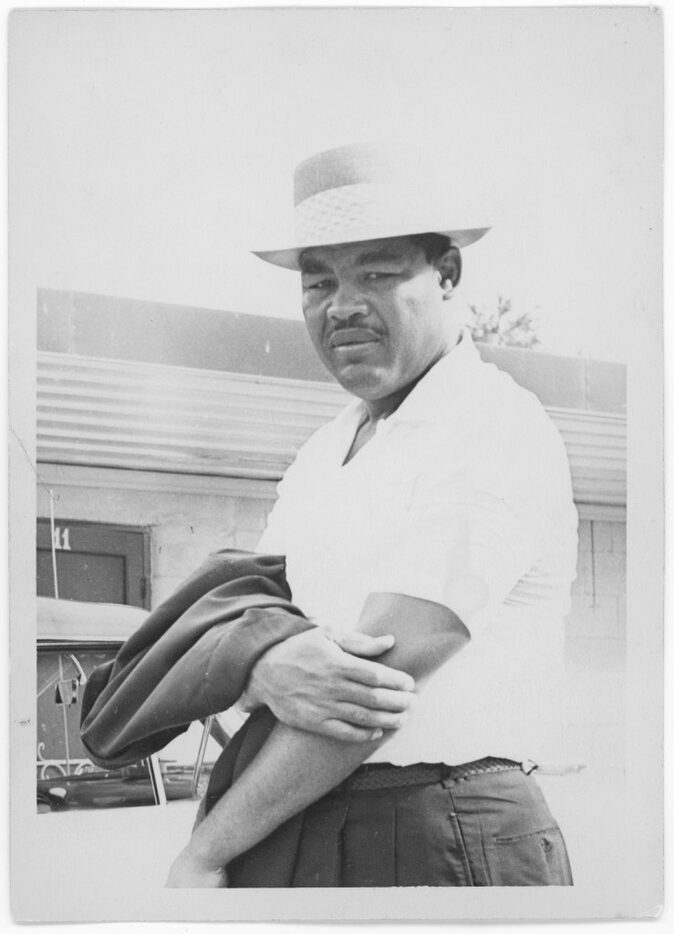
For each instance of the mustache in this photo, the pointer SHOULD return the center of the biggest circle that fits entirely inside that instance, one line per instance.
(350, 334)
(354, 325)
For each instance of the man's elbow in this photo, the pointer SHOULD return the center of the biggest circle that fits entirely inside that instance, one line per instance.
(458, 633)
(427, 634)
(446, 642)
(427, 642)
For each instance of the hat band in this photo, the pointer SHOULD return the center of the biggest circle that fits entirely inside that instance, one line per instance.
(327, 214)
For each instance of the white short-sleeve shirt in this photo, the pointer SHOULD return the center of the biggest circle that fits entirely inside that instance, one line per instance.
(462, 497)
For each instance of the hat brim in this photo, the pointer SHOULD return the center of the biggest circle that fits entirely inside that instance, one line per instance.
(289, 258)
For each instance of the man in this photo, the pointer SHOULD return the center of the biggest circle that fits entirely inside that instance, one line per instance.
(435, 509)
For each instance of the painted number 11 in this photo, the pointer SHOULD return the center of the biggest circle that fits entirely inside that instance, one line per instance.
(61, 539)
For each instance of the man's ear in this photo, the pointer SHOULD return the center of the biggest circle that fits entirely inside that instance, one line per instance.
(449, 267)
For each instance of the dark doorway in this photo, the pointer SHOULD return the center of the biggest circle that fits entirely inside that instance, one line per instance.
(94, 562)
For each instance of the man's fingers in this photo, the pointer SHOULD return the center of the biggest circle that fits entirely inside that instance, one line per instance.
(371, 719)
(380, 698)
(375, 675)
(364, 671)
(361, 643)
(337, 729)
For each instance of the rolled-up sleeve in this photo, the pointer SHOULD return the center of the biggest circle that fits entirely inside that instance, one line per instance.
(464, 542)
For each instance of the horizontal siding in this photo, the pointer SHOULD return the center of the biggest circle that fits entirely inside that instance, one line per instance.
(141, 416)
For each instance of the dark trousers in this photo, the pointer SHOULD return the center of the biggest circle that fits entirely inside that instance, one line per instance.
(485, 829)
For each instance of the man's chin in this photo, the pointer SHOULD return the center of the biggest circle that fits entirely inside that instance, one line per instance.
(362, 381)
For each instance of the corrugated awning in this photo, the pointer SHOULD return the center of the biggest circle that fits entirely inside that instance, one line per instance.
(142, 416)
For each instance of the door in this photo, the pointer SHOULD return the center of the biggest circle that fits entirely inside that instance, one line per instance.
(94, 562)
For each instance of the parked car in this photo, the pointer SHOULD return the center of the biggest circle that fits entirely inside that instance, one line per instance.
(73, 638)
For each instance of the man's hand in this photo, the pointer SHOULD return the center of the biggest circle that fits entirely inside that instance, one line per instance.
(188, 873)
(321, 683)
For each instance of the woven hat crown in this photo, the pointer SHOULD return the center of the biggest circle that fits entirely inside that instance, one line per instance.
(369, 192)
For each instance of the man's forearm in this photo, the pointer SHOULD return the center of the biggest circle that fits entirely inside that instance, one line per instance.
(292, 770)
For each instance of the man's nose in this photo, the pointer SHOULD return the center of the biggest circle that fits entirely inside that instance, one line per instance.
(346, 303)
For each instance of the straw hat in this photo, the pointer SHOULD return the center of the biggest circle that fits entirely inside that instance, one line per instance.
(369, 192)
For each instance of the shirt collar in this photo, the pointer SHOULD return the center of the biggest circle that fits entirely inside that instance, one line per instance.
(444, 383)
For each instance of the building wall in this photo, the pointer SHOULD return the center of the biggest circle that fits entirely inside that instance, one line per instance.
(186, 519)
(595, 644)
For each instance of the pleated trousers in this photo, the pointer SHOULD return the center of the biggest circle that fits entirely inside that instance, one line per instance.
(482, 830)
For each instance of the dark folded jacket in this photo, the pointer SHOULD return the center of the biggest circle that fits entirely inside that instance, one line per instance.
(191, 658)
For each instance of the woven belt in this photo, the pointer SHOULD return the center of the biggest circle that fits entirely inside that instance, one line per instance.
(375, 776)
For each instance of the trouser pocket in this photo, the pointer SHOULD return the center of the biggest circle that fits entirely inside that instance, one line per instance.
(538, 858)
(510, 836)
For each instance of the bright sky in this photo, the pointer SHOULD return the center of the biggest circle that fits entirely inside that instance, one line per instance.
(150, 149)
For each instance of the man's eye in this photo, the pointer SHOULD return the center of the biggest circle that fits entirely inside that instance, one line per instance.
(316, 286)
(373, 276)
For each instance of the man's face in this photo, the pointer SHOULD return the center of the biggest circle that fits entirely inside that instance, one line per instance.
(375, 313)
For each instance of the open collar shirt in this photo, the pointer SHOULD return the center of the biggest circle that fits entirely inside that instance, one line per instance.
(462, 497)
